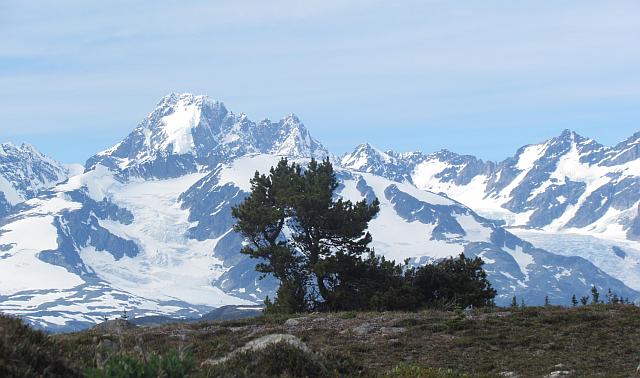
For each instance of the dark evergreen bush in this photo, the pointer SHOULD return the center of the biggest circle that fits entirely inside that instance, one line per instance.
(25, 352)
(456, 281)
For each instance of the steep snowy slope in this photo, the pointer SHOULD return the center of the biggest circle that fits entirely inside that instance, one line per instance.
(24, 172)
(567, 183)
(148, 226)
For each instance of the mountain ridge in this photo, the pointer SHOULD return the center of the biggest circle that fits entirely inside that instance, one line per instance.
(188, 132)
(147, 225)
(534, 181)
(24, 173)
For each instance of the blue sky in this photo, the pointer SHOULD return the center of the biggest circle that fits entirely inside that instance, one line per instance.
(478, 77)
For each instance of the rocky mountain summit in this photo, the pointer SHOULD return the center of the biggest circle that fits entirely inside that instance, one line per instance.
(187, 134)
(24, 173)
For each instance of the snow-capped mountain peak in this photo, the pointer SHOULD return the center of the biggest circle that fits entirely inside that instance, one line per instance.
(175, 120)
(625, 151)
(24, 172)
(366, 157)
(186, 132)
(369, 159)
(294, 140)
(568, 134)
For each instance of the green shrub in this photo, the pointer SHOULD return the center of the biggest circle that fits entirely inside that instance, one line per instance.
(125, 366)
(349, 315)
(420, 372)
(25, 352)
(276, 360)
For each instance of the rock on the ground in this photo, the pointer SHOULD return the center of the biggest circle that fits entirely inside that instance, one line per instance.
(114, 326)
(260, 344)
(392, 330)
(559, 373)
(293, 322)
(363, 329)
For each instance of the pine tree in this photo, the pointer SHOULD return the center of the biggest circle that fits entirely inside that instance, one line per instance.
(324, 262)
(326, 235)
(522, 305)
(325, 230)
(609, 296)
(260, 218)
(546, 301)
(574, 301)
(594, 294)
(514, 302)
(584, 300)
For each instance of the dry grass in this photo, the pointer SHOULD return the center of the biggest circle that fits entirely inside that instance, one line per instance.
(590, 341)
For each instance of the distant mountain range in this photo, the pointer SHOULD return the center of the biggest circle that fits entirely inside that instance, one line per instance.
(566, 183)
(147, 225)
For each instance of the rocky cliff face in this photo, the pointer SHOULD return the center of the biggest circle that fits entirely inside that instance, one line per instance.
(25, 172)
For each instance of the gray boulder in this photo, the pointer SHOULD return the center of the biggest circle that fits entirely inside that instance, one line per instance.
(261, 344)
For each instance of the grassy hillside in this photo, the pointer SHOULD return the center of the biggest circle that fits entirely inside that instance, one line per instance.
(586, 341)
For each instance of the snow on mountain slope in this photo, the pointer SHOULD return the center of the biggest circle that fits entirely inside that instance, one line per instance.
(154, 243)
(567, 183)
(620, 258)
(24, 172)
(27, 271)
(169, 264)
(87, 304)
(93, 257)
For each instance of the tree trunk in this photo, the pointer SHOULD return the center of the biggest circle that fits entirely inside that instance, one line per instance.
(324, 292)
